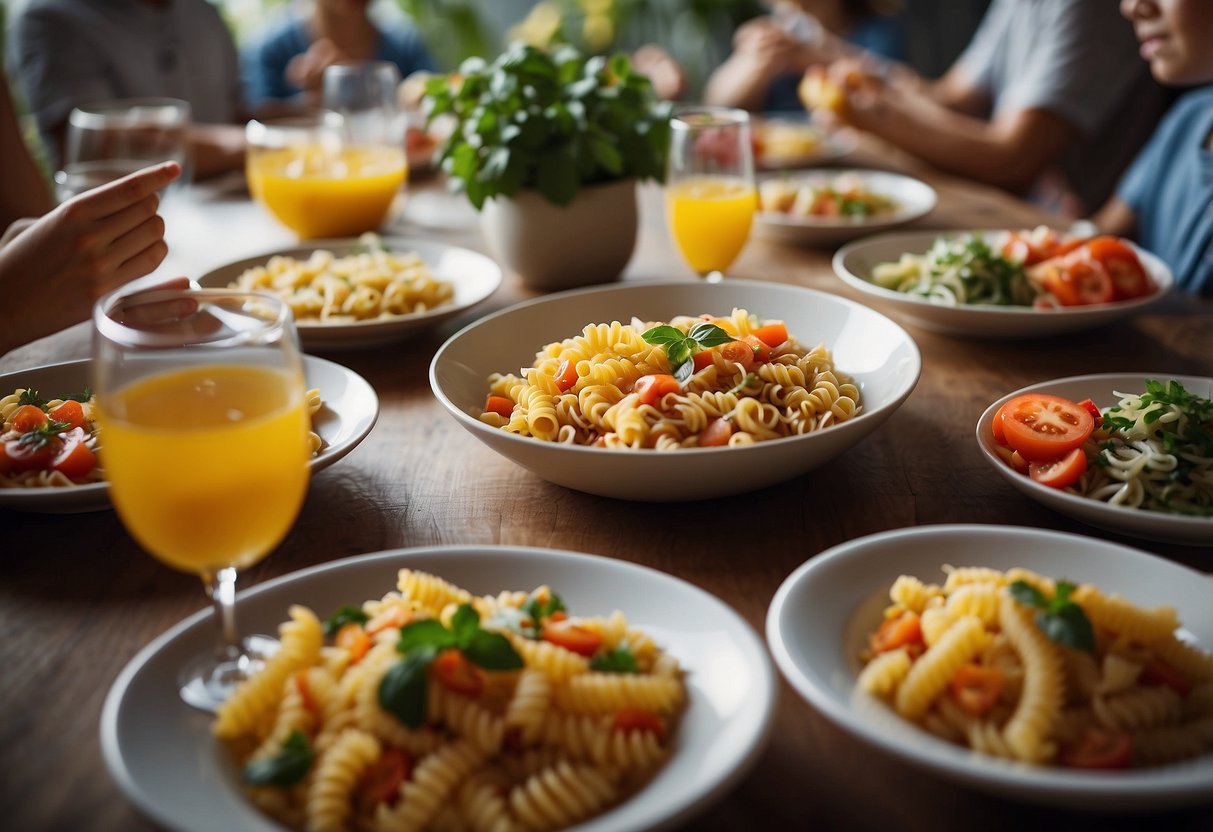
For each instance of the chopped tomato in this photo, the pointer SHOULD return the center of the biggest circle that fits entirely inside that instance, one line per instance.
(976, 688)
(1158, 672)
(72, 457)
(24, 457)
(27, 417)
(381, 781)
(638, 719)
(996, 429)
(898, 631)
(456, 673)
(305, 693)
(500, 405)
(716, 433)
(391, 617)
(1060, 473)
(1032, 246)
(702, 359)
(353, 637)
(772, 334)
(566, 375)
(1044, 427)
(571, 637)
(1077, 279)
(72, 412)
(738, 352)
(1093, 409)
(762, 352)
(652, 388)
(1100, 748)
(1129, 278)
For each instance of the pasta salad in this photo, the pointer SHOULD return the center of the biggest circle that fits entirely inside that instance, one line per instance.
(1025, 667)
(843, 197)
(432, 708)
(692, 382)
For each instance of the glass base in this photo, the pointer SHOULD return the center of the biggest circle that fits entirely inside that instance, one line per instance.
(206, 683)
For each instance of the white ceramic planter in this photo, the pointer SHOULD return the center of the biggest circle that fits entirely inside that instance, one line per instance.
(551, 247)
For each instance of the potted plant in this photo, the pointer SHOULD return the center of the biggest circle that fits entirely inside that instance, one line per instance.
(549, 147)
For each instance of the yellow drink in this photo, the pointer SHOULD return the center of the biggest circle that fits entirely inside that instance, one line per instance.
(321, 193)
(710, 219)
(207, 466)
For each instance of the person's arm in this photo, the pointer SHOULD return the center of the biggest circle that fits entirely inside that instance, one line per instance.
(761, 52)
(1116, 217)
(25, 192)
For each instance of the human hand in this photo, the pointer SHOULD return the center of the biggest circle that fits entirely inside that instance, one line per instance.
(666, 74)
(306, 71)
(845, 91)
(53, 270)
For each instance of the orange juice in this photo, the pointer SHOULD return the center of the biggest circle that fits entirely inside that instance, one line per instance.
(207, 466)
(327, 193)
(710, 219)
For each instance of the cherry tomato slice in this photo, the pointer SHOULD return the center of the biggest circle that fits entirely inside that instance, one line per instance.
(638, 719)
(1060, 473)
(1129, 278)
(976, 688)
(738, 352)
(772, 334)
(27, 417)
(72, 412)
(500, 405)
(652, 388)
(456, 673)
(73, 458)
(571, 637)
(899, 631)
(1078, 279)
(716, 433)
(1044, 427)
(566, 375)
(1100, 748)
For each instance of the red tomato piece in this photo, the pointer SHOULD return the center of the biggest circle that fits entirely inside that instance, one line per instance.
(381, 781)
(899, 631)
(500, 405)
(1129, 278)
(456, 673)
(652, 388)
(1042, 427)
(739, 352)
(27, 417)
(353, 638)
(72, 412)
(702, 359)
(976, 688)
(638, 719)
(305, 693)
(391, 617)
(21, 457)
(1093, 409)
(762, 352)
(571, 637)
(1078, 279)
(73, 458)
(997, 430)
(1060, 473)
(716, 433)
(1099, 748)
(772, 334)
(566, 375)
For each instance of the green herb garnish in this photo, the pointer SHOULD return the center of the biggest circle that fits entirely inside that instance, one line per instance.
(528, 620)
(286, 768)
(748, 380)
(82, 396)
(31, 397)
(1059, 618)
(619, 660)
(344, 615)
(680, 348)
(40, 437)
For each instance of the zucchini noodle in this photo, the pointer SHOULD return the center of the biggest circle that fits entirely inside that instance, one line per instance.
(959, 271)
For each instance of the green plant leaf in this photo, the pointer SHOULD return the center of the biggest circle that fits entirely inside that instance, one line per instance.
(492, 651)
(286, 768)
(344, 615)
(402, 690)
(464, 624)
(619, 660)
(426, 633)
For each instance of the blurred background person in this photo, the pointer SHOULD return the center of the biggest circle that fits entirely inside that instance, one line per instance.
(1047, 101)
(1165, 201)
(66, 53)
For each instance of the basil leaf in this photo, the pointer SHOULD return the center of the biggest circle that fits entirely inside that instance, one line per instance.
(1068, 626)
(540, 608)
(619, 660)
(428, 632)
(402, 690)
(709, 335)
(492, 651)
(344, 615)
(82, 396)
(32, 397)
(1028, 595)
(464, 624)
(662, 335)
(684, 371)
(286, 768)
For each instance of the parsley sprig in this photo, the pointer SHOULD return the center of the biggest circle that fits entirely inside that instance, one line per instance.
(680, 348)
(402, 691)
(286, 768)
(344, 615)
(1059, 618)
(41, 436)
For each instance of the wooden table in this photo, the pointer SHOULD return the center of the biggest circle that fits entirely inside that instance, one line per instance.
(78, 598)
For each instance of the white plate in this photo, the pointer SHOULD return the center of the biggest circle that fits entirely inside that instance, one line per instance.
(827, 144)
(349, 412)
(1150, 525)
(473, 275)
(161, 753)
(877, 353)
(820, 616)
(914, 199)
(854, 264)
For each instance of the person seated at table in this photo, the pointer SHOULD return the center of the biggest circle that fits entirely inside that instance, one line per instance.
(66, 53)
(1165, 201)
(1047, 101)
(284, 64)
(772, 52)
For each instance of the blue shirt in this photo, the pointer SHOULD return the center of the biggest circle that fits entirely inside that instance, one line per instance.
(264, 60)
(1170, 189)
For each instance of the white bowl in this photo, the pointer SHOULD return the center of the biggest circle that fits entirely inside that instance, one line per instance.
(820, 616)
(820, 143)
(854, 264)
(473, 275)
(1149, 525)
(161, 753)
(877, 353)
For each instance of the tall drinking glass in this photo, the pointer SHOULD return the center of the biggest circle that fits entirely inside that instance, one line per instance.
(110, 139)
(710, 193)
(201, 404)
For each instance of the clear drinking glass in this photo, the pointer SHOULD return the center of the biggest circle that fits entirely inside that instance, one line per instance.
(710, 193)
(201, 403)
(110, 139)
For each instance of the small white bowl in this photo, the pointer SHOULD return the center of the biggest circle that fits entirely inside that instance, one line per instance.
(854, 263)
(1149, 525)
(877, 353)
(914, 199)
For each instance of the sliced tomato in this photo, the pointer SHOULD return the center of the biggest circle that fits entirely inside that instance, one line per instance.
(772, 334)
(1032, 246)
(1060, 473)
(976, 688)
(500, 405)
(73, 458)
(762, 352)
(25, 457)
(702, 359)
(1077, 279)
(1129, 278)
(996, 428)
(1043, 427)
(381, 781)
(716, 433)
(1099, 748)
(353, 638)
(566, 375)
(571, 636)
(638, 719)
(27, 417)
(456, 673)
(72, 412)
(305, 693)
(1158, 672)
(739, 352)
(652, 388)
(898, 631)
(1094, 410)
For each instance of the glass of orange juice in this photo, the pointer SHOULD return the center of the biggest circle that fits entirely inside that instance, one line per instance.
(317, 180)
(710, 193)
(201, 400)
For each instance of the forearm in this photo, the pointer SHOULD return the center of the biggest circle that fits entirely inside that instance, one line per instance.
(738, 82)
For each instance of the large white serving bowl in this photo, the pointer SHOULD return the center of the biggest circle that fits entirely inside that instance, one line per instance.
(855, 262)
(913, 199)
(877, 353)
(1101, 389)
(819, 619)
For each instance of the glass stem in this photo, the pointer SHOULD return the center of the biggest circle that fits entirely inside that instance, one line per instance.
(221, 587)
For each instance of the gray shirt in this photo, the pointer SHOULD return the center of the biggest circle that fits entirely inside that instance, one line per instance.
(64, 53)
(1079, 60)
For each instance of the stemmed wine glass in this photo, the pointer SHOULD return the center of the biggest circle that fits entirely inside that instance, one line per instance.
(201, 403)
(710, 192)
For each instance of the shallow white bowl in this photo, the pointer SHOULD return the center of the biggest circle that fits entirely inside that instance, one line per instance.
(877, 353)
(854, 264)
(161, 753)
(914, 199)
(1150, 525)
(819, 619)
(474, 276)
